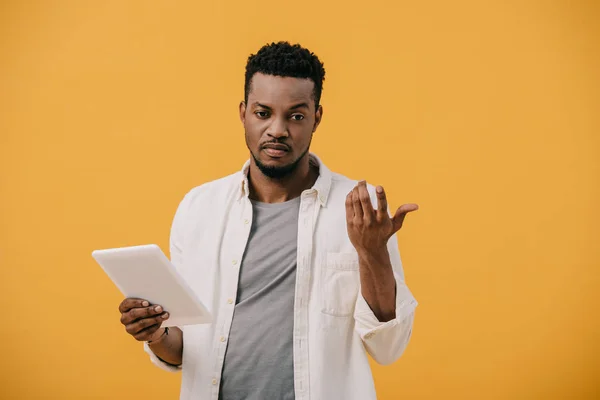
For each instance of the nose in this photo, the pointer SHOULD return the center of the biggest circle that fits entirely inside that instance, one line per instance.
(278, 128)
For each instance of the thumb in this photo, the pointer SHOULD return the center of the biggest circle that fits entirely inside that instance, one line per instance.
(398, 218)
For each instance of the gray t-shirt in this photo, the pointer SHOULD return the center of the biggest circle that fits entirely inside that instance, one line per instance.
(259, 358)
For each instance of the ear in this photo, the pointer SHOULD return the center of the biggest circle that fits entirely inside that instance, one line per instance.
(243, 111)
(318, 116)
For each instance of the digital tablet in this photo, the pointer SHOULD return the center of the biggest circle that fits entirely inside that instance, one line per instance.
(145, 272)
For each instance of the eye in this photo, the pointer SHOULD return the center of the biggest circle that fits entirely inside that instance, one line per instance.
(297, 117)
(262, 114)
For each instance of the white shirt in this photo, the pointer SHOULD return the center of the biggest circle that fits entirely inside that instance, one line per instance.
(334, 327)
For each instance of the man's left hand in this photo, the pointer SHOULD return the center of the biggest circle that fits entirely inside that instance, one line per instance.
(369, 230)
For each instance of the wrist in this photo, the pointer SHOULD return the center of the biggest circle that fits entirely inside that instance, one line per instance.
(164, 332)
(374, 255)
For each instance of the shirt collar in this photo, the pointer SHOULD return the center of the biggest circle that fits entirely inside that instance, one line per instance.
(321, 187)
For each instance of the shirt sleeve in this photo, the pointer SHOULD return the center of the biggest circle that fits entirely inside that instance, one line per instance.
(176, 254)
(386, 341)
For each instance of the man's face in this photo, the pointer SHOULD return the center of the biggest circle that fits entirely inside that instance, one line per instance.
(279, 120)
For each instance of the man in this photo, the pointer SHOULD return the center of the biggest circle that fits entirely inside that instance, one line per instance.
(301, 272)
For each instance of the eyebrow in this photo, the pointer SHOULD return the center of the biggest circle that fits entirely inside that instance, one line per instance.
(294, 107)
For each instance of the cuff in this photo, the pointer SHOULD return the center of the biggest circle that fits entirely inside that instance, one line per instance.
(367, 324)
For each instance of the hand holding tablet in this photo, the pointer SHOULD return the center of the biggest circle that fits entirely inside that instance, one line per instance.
(145, 273)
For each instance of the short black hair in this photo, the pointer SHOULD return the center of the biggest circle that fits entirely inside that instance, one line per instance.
(286, 60)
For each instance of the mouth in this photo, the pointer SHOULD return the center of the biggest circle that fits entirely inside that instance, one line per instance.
(275, 150)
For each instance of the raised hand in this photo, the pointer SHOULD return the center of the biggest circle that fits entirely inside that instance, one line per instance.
(369, 230)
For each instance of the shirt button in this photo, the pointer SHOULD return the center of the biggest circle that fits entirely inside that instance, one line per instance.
(234, 262)
(222, 338)
(246, 221)
(230, 301)
(214, 381)
(322, 199)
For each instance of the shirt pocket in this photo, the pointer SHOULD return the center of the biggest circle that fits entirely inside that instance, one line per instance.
(340, 284)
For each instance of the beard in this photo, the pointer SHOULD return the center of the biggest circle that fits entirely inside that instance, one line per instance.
(278, 172)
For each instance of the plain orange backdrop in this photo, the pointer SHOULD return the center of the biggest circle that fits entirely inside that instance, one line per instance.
(485, 113)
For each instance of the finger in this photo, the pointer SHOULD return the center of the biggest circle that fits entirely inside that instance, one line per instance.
(382, 205)
(358, 211)
(365, 201)
(349, 208)
(138, 326)
(130, 303)
(400, 214)
(138, 313)
(147, 333)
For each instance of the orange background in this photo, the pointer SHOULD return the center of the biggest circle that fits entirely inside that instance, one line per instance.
(484, 113)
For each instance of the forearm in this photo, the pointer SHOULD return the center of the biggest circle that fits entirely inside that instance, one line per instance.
(378, 285)
(169, 348)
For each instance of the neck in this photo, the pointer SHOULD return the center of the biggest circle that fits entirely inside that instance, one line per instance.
(270, 190)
